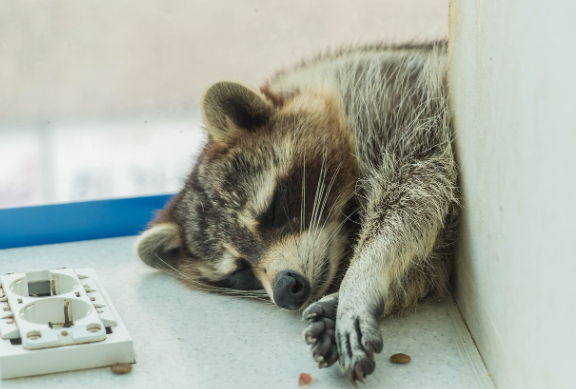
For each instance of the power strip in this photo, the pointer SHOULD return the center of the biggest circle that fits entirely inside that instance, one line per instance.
(58, 320)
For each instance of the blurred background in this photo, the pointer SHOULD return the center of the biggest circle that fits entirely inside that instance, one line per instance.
(100, 99)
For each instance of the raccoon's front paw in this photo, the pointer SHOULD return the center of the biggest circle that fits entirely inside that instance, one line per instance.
(320, 334)
(358, 337)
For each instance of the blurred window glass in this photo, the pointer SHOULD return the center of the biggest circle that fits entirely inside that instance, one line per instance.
(100, 99)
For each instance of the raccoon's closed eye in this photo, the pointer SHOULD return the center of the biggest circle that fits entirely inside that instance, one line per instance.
(276, 216)
(242, 265)
(242, 278)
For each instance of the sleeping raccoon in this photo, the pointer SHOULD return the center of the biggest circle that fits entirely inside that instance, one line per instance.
(332, 188)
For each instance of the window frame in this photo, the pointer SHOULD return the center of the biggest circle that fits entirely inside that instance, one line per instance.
(70, 222)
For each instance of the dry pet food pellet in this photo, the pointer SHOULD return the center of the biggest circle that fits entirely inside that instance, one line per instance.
(304, 379)
(121, 368)
(400, 358)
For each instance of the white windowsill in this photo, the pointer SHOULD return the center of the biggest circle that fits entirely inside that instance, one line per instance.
(186, 338)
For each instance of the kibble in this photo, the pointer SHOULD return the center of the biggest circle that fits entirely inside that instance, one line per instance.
(121, 368)
(304, 379)
(400, 358)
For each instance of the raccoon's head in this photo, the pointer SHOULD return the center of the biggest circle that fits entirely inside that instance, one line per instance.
(269, 202)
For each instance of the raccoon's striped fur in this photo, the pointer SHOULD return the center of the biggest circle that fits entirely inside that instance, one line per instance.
(337, 176)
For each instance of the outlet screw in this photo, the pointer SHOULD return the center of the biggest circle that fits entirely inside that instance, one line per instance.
(34, 335)
(94, 327)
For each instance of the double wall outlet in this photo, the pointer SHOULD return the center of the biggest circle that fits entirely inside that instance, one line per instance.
(58, 320)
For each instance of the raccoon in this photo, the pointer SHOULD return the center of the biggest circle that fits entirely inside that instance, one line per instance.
(331, 189)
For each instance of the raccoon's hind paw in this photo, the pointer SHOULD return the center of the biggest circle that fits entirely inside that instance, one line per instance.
(320, 334)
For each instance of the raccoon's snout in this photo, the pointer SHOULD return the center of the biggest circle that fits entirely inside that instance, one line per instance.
(290, 290)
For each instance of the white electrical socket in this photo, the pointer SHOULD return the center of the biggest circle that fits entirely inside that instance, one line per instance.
(58, 320)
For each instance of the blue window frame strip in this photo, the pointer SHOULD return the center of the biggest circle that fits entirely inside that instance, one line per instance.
(58, 223)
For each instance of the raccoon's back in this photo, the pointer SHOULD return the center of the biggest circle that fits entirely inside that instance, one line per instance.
(394, 98)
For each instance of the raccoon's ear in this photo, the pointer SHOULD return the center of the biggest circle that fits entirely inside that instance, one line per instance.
(230, 109)
(159, 246)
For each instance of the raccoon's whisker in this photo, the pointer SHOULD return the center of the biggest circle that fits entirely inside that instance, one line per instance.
(256, 294)
(322, 197)
(326, 195)
(171, 269)
(331, 209)
(327, 218)
(303, 203)
(337, 229)
(290, 221)
(319, 232)
(346, 217)
(318, 194)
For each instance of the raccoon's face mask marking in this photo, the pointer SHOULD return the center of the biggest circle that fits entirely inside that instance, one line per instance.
(269, 201)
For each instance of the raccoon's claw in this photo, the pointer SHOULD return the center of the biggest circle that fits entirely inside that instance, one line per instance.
(322, 347)
(353, 380)
(324, 308)
(359, 373)
(313, 331)
(330, 358)
(358, 338)
(325, 351)
(319, 331)
(370, 349)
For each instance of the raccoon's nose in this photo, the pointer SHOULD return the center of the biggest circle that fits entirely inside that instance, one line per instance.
(290, 290)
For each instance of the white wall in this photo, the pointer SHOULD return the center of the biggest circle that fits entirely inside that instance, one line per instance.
(513, 90)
